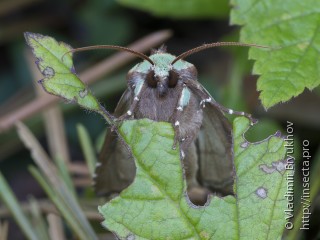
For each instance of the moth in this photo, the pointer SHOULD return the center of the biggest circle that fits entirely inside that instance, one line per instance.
(164, 87)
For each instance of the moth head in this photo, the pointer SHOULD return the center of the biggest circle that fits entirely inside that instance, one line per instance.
(162, 74)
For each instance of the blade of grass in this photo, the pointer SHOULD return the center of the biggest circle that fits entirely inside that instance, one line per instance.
(79, 168)
(65, 175)
(60, 204)
(50, 172)
(12, 203)
(87, 148)
(4, 227)
(46, 206)
(55, 227)
(38, 221)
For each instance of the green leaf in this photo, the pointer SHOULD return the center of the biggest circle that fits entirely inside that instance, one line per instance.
(291, 27)
(182, 9)
(54, 60)
(155, 206)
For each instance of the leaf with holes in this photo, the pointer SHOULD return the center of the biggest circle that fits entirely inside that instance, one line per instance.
(56, 65)
(155, 206)
(291, 27)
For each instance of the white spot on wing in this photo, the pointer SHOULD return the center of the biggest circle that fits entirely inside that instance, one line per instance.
(202, 102)
(177, 123)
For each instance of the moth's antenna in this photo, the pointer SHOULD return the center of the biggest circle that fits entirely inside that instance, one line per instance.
(212, 45)
(141, 55)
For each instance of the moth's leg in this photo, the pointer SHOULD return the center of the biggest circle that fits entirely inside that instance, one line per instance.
(183, 100)
(206, 98)
(230, 111)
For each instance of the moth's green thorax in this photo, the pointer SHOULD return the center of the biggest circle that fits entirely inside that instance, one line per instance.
(162, 65)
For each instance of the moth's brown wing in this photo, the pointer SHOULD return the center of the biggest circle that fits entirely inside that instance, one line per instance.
(115, 169)
(214, 144)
